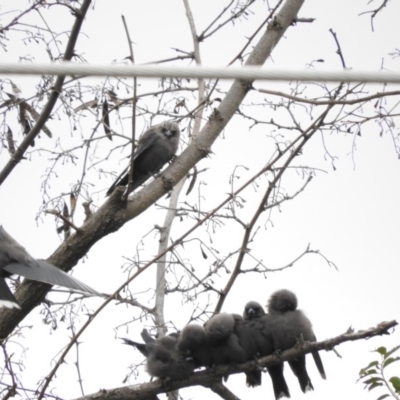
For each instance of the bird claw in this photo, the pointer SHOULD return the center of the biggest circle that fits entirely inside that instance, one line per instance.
(168, 183)
(211, 369)
(166, 382)
(278, 353)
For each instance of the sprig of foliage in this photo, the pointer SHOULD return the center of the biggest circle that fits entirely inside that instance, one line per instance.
(373, 374)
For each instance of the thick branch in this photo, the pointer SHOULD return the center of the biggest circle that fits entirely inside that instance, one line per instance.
(204, 378)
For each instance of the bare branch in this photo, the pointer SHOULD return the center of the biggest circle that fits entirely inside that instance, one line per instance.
(331, 102)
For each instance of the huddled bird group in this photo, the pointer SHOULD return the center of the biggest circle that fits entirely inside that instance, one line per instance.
(233, 339)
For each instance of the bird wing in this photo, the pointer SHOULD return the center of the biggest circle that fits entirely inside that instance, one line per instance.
(7, 299)
(117, 182)
(318, 363)
(145, 142)
(42, 271)
(11, 250)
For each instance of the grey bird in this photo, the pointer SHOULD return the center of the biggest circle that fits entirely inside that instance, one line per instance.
(222, 341)
(251, 311)
(192, 337)
(156, 147)
(256, 337)
(192, 343)
(215, 344)
(219, 327)
(162, 359)
(14, 259)
(288, 325)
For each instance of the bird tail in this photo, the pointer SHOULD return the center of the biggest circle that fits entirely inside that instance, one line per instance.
(253, 378)
(140, 346)
(7, 299)
(299, 369)
(42, 271)
(278, 381)
(121, 180)
(318, 363)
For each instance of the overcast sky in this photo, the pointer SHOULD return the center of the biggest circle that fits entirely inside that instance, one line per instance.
(351, 214)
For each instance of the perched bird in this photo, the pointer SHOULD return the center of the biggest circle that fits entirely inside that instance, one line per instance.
(162, 359)
(192, 337)
(221, 340)
(215, 344)
(219, 327)
(251, 311)
(287, 325)
(256, 338)
(14, 259)
(156, 147)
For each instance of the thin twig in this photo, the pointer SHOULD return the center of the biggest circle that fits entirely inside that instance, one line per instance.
(330, 102)
(134, 100)
(64, 219)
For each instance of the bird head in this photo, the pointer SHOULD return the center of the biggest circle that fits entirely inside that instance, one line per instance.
(253, 310)
(282, 301)
(170, 129)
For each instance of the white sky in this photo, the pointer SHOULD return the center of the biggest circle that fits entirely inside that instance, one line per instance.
(351, 215)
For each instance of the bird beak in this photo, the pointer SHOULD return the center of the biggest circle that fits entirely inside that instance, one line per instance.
(168, 133)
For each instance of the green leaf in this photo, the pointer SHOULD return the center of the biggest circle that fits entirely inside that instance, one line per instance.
(373, 380)
(395, 381)
(382, 397)
(364, 372)
(371, 364)
(390, 352)
(381, 350)
(390, 361)
(374, 385)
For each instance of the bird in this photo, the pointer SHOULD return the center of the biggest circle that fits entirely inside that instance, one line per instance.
(251, 311)
(156, 147)
(14, 259)
(219, 327)
(256, 338)
(214, 344)
(288, 324)
(221, 340)
(162, 359)
(192, 337)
